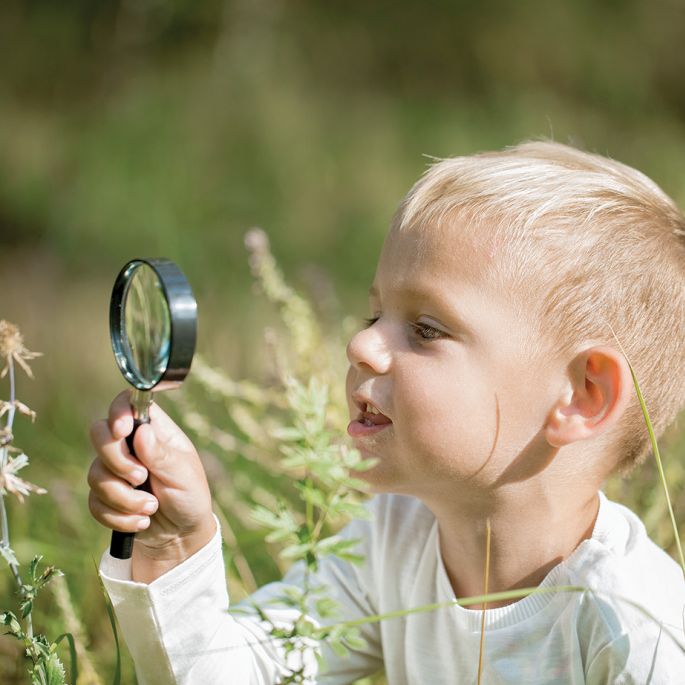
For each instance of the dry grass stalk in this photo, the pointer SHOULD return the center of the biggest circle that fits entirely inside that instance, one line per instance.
(485, 604)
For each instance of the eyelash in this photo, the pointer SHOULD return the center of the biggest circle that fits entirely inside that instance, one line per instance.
(423, 330)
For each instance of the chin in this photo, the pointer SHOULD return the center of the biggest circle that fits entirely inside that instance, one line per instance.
(380, 479)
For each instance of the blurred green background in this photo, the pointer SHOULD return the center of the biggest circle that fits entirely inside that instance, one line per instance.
(168, 128)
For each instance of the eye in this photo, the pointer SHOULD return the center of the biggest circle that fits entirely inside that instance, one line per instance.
(370, 321)
(426, 332)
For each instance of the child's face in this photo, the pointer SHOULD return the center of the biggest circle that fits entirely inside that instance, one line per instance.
(448, 362)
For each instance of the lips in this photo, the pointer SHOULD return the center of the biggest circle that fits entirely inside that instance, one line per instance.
(369, 421)
(371, 416)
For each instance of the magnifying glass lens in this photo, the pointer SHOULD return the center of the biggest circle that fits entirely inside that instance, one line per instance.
(146, 327)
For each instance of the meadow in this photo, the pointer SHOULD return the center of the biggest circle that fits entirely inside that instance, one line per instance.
(172, 130)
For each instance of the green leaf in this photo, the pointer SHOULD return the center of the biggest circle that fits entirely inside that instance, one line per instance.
(364, 464)
(348, 508)
(33, 566)
(338, 647)
(304, 627)
(26, 608)
(295, 551)
(49, 672)
(282, 521)
(327, 607)
(352, 558)
(10, 620)
(281, 535)
(8, 555)
(353, 639)
(291, 596)
(287, 434)
(312, 495)
(336, 545)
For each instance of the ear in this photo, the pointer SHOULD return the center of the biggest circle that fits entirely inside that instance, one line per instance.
(598, 390)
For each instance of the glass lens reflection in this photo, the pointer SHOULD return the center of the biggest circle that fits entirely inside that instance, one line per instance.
(146, 326)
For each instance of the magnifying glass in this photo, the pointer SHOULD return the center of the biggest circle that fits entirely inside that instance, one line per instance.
(153, 327)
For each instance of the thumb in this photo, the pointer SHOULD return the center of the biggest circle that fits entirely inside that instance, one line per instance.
(165, 451)
(167, 431)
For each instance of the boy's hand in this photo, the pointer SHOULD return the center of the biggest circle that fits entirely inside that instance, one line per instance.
(175, 520)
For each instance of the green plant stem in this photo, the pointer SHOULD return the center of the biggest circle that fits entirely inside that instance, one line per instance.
(5, 538)
(657, 455)
(497, 597)
(309, 507)
(325, 512)
(662, 475)
(3, 511)
(488, 532)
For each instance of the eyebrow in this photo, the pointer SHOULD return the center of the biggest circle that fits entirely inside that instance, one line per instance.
(422, 294)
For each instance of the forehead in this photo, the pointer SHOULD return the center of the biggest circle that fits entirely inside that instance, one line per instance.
(439, 253)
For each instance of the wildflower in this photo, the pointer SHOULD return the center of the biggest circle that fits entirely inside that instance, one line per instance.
(19, 406)
(12, 348)
(11, 483)
(6, 436)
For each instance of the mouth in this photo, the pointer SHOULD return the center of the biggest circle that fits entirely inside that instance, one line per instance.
(369, 421)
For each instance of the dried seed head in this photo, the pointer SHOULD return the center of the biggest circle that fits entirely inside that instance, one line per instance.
(10, 483)
(12, 348)
(11, 340)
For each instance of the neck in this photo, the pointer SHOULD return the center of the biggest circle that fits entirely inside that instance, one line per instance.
(532, 530)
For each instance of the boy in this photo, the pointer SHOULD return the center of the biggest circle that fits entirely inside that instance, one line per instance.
(488, 384)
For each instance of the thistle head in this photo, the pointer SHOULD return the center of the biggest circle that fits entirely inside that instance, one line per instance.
(12, 348)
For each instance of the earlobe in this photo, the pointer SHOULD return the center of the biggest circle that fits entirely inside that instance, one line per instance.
(597, 392)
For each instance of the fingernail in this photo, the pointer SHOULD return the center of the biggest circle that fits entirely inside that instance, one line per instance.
(150, 507)
(139, 475)
(143, 524)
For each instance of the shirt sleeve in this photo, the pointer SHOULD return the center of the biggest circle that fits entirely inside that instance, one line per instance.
(653, 655)
(179, 630)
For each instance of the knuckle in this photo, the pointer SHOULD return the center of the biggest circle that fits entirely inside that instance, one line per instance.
(94, 474)
(95, 507)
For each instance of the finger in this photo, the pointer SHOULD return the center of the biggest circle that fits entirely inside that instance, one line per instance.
(157, 455)
(118, 494)
(167, 431)
(120, 416)
(115, 520)
(172, 459)
(115, 454)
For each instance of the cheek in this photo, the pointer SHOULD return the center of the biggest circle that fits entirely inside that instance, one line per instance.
(434, 406)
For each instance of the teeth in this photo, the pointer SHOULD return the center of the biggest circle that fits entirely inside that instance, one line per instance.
(370, 409)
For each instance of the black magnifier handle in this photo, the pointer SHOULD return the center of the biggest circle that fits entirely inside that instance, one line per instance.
(121, 546)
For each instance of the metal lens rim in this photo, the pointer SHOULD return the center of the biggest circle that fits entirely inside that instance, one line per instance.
(183, 321)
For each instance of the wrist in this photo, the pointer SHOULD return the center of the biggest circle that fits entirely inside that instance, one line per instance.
(149, 562)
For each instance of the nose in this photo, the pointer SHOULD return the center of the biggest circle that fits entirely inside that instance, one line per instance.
(369, 349)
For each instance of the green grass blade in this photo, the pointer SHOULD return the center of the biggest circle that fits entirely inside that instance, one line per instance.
(657, 455)
(73, 667)
(662, 475)
(113, 623)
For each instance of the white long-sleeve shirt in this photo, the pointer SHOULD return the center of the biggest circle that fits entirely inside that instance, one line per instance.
(178, 628)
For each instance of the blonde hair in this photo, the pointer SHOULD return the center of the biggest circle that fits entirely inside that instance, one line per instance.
(590, 242)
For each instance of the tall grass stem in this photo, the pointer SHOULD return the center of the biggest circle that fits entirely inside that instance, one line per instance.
(655, 449)
(488, 531)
